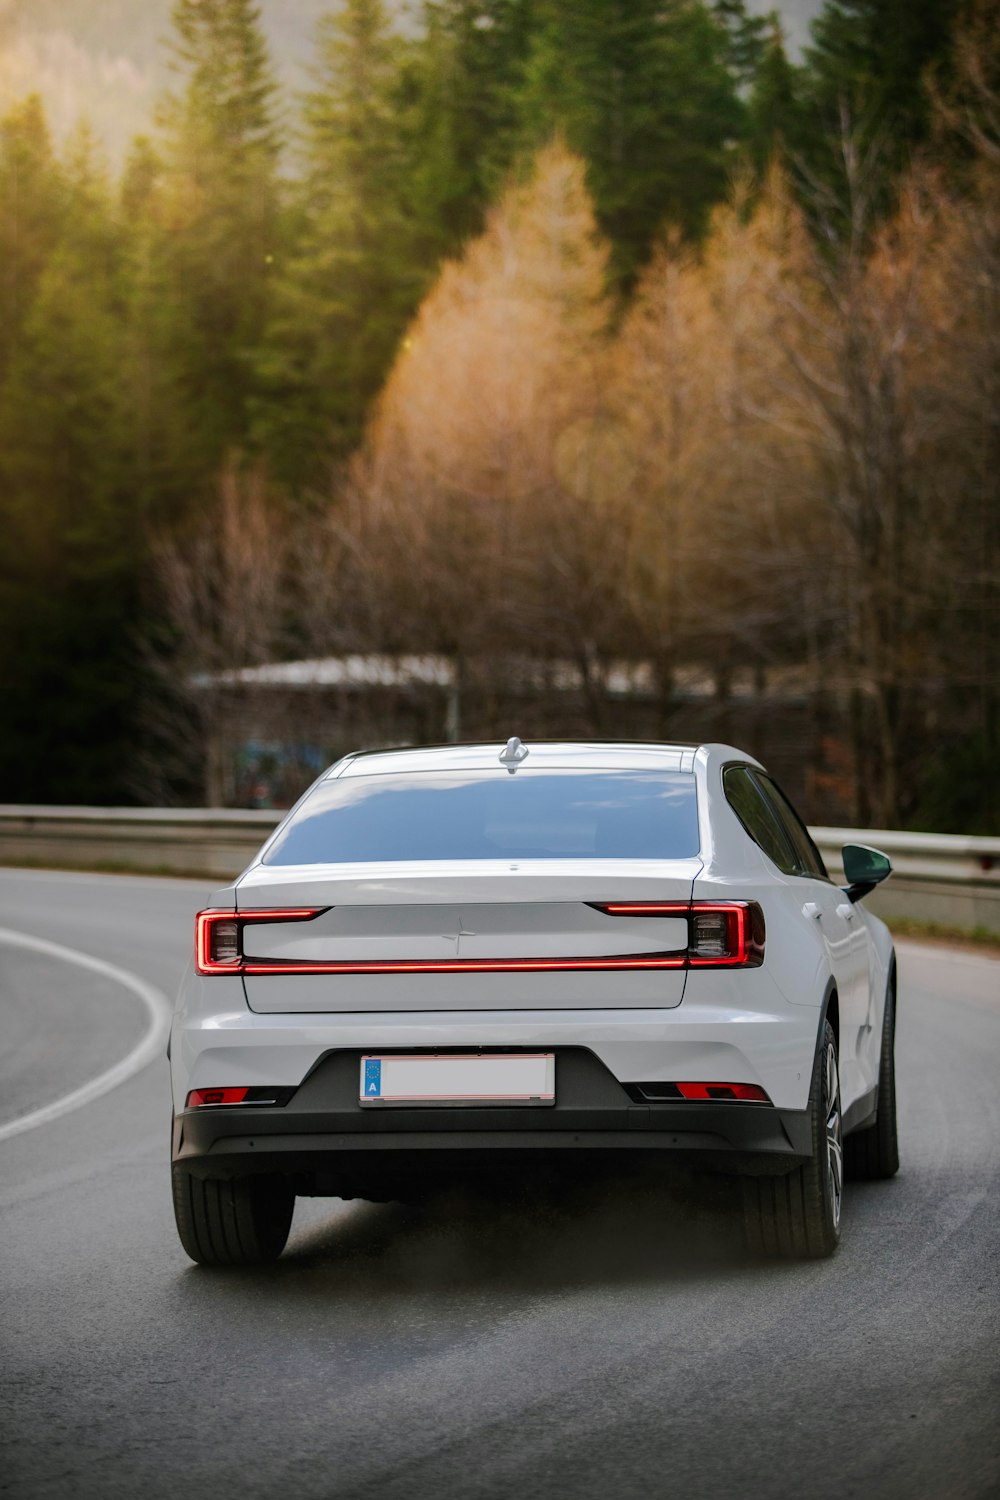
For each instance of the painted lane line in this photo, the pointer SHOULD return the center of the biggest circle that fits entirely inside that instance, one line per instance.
(151, 1046)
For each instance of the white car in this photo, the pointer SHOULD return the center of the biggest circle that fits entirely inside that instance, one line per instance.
(454, 961)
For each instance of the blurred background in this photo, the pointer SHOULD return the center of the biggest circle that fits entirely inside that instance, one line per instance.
(373, 374)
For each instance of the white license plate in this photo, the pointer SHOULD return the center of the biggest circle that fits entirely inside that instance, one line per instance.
(448, 1078)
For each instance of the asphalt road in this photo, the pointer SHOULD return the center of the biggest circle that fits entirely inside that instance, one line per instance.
(614, 1342)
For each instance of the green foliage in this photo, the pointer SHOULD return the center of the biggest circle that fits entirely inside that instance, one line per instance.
(774, 108)
(960, 789)
(68, 596)
(350, 281)
(219, 217)
(32, 215)
(747, 35)
(865, 79)
(462, 111)
(641, 89)
(166, 469)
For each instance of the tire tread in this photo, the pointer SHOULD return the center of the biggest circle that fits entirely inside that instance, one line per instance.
(232, 1222)
(787, 1216)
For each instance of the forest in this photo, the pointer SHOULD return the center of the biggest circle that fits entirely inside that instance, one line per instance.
(536, 335)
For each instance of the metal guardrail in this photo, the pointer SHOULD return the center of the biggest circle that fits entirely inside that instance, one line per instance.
(949, 878)
(204, 841)
(945, 878)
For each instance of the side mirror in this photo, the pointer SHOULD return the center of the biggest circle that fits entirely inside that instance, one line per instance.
(864, 868)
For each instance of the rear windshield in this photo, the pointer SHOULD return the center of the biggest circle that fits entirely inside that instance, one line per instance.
(531, 815)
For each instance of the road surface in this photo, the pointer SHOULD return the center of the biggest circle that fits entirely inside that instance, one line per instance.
(605, 1343)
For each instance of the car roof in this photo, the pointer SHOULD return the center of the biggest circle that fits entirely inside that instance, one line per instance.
(551, 754)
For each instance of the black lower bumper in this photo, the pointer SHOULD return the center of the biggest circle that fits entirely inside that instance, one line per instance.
(332, 1144)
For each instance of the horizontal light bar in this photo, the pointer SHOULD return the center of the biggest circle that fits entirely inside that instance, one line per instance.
(219, 945)
(643, 908)
(471, 966)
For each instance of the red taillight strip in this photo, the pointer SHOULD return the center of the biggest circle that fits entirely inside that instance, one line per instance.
(472, 966)
(744, 928)
(744, 944)
(206, 920)
(716, 1093)
(740, 942)
(213, 1098)
(206, 964)
(643, 908)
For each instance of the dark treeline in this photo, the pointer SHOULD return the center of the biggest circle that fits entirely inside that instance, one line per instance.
(599, 329)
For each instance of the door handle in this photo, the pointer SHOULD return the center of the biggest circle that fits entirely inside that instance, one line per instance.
(810, 909)
(846, 910)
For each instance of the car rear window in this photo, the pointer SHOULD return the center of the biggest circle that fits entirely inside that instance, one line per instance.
(531, 815)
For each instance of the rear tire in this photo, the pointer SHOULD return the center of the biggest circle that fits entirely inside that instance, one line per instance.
(242, 1221)
(873, 1154)
(798, 1216)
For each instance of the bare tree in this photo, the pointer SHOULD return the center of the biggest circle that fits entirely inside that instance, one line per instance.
(223, 588)
(716, 528)
(472, 490)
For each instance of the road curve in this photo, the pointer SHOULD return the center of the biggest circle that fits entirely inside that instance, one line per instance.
(612, 1343)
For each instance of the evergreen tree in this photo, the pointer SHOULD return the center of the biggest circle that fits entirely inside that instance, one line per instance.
(165, 468)
(774, 106)
(219, 213)
(463, 104)
(866, 73)
(32, 212)
(68, 587)
(346, 293)
(642, 90)
(748, 36)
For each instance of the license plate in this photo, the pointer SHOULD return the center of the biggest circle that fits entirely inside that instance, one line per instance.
(450, 1078)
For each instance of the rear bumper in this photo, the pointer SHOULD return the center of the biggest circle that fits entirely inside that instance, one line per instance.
(332, 1144)
(731, 1026)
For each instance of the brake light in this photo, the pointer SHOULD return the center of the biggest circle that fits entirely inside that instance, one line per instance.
(218, 935)
(726, 934)
(747, 1093)
(256, 1095)
(198, 1098)
(721, 934)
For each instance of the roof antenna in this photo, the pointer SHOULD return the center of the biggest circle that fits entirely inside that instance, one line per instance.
(512, 754)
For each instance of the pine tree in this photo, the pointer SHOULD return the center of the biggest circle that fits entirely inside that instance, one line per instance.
(643, 91)
(748, 36)
(462, 96)
(865, 78)
(219, 214)
(165, 467)
(774, 106)
(32, 213)
(68, 589)
(345, 294)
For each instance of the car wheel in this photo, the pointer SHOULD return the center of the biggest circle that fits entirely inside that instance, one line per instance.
(874, 1153)
(242, 1221)
(798, 1215)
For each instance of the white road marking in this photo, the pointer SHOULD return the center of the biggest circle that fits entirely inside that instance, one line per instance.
(150, 1047)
